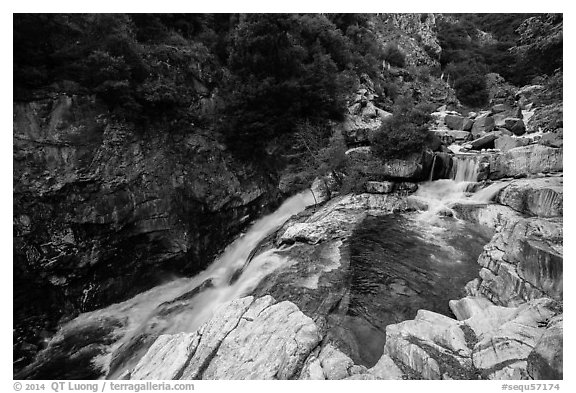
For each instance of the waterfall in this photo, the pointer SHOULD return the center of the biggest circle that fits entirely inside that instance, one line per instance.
(431, 177)
(487, 195)
(441, 195)
(232, 275)
(466, 168)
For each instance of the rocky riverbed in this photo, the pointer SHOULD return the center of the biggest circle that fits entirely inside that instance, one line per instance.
(437, 279)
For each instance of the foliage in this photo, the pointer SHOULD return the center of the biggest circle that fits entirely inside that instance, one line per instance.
(471, 90)
(394, 56)
(403, 134)
(285, 70)
(524, 45)
(540, 44)
(143, 66)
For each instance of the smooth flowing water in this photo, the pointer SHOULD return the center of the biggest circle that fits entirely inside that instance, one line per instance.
(181, 305)
(406, 262)
(399, 264)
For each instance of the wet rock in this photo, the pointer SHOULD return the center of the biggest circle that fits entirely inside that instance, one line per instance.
(441, 167)
(522, 161)
(115, 210)
(506, 142)
(229, 345)
(289, 336)
(225, 319)
(515, 125)
(339, 216)
(490, 215)
(71, 351)
(542, 197)
(167, 357)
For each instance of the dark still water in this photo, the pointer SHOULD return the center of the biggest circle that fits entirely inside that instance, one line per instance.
(403, 263)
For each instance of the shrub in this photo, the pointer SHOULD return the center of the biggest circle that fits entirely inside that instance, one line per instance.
(403, 134)
(394, 56)
(471, 90)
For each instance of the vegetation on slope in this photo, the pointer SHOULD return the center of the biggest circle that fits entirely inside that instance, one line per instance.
(519, 47)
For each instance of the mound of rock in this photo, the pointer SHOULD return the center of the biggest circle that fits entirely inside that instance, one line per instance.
(523, 261)
(541, 197)
(526, 160)
(488, 341)
(229, 346)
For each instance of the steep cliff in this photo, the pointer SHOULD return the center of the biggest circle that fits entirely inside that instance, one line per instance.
(103, 211)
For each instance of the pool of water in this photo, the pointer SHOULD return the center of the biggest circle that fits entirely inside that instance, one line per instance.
(400, 264)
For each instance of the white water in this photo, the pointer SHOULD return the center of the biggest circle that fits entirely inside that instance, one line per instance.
(465, 167)
(441, 194)
(234, 274)
(233, 265)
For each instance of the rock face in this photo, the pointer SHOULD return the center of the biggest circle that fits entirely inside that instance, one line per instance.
(363, 118)
(102, 212)
(541, 197)
(413, 168)
(523, 261)
(522, 161)
(167, 357)
(339, 216)
(229, 346)
(406, 27)
(489, 215)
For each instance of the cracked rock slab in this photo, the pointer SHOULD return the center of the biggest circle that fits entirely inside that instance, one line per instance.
(245, 339)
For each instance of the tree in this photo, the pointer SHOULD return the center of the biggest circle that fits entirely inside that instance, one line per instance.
(284, 70)
(404, 133)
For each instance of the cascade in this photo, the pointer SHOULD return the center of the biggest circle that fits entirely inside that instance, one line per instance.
(159, 310)
(466, 167)
(431, 177)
